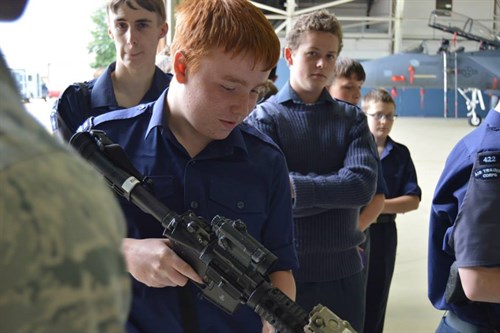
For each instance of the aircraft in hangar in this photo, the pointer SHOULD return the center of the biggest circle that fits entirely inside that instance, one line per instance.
(468, 73)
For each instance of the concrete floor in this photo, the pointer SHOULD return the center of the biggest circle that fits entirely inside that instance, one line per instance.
(429, 140)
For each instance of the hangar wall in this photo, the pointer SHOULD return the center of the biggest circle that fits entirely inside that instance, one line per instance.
(378, 28)
(377, 37)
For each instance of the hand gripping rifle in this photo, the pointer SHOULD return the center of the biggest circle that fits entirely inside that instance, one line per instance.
(232, 264)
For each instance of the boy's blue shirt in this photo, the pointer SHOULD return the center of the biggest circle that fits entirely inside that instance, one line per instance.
(76, 105)
(399, 171)
(287, 93)
(448, 197)
(241, 177)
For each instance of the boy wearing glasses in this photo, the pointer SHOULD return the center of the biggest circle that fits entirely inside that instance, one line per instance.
(403, 195)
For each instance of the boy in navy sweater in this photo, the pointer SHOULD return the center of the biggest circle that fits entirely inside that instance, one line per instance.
(333, 168)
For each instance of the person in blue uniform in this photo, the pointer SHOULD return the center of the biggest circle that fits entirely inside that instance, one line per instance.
(136, 28)
(346, 85)
(191, 142)
(403, 195)
(464, 233)
(333, 167)
(347, 82)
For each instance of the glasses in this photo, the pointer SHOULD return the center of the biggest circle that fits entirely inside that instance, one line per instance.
(380, 116)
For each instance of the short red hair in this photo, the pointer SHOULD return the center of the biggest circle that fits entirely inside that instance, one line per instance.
(236, 26)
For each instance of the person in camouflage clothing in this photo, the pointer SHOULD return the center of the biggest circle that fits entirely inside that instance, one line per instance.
(61, 269)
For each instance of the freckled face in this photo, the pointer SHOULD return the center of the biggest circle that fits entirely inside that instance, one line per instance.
(221, 93)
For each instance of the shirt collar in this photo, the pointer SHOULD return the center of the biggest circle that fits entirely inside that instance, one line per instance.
(161, 80)
(493, 118)
(288, 94)
(389, 145)
(102, 93)
(158, 113)
(233, 145)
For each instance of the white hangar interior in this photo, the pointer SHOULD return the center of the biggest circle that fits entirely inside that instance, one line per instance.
(374, 29)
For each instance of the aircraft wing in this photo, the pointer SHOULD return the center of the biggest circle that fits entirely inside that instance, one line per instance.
(404, 70)
(474, 69)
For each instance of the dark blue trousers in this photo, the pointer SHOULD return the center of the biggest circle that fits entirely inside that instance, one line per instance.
(383, 244)
(345, 297)
(451, 323)
(365, 256)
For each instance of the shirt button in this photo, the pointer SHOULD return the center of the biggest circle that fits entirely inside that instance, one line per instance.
(194, 204)
(240, 204)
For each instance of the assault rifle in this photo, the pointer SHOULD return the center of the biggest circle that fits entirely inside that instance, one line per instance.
(232, 264)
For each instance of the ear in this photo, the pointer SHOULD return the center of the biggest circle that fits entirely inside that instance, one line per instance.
(179, 67)
(288, 56)
(164, 30)
(110, 33)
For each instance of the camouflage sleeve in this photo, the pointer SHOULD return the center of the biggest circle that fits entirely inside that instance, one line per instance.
(60, 260)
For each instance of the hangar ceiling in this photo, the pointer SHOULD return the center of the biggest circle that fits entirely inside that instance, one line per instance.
(372, 28)
(358, 17)
(281, 12)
